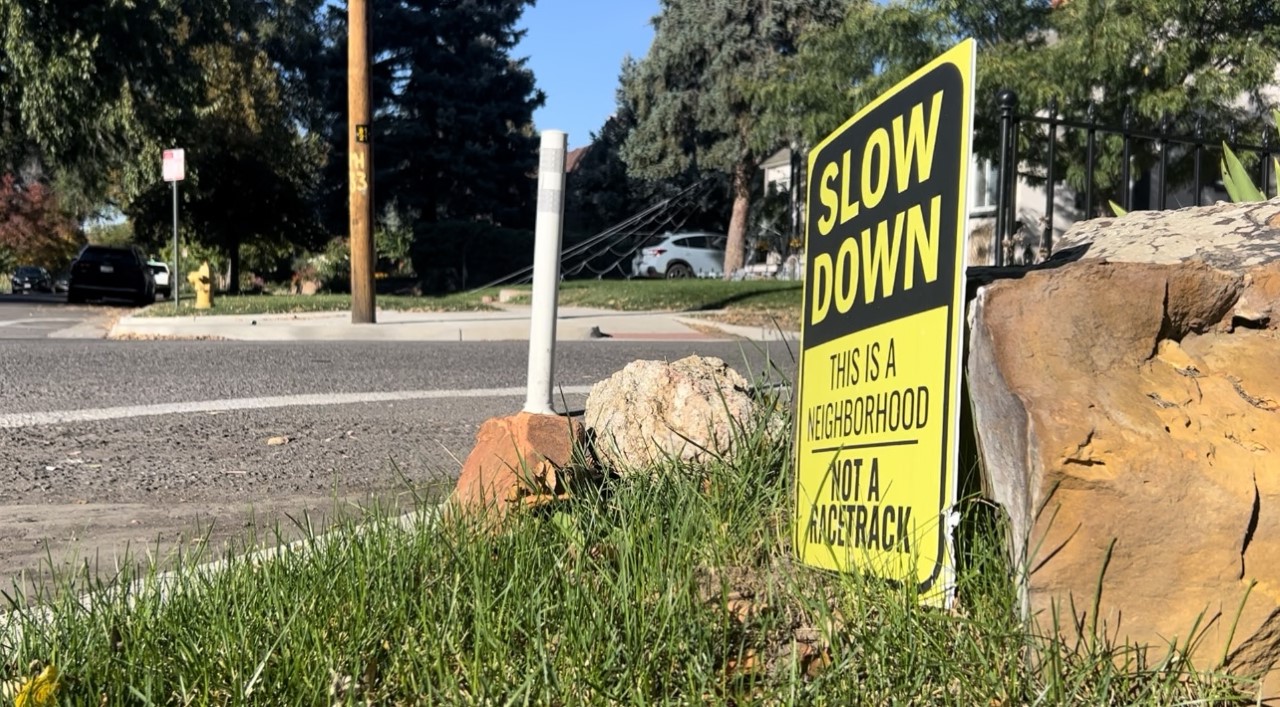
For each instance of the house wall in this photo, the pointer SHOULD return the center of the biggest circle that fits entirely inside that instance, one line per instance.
(778, 176)
(1029, 229)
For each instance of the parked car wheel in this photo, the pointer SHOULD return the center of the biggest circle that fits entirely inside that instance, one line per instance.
(74, 296)
(679, 271)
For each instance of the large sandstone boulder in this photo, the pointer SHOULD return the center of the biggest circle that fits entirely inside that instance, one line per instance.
(694, 409)
(1128, 420)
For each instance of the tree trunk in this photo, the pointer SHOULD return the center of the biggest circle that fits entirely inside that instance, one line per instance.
(233, 268)
(736, 248)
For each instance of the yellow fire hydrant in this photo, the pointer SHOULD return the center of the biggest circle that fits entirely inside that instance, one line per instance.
(203, 286)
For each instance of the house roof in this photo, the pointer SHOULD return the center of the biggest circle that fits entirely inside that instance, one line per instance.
(781, 158)
(574, 157)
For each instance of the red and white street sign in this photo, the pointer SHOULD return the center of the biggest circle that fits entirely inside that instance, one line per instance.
(175, 166)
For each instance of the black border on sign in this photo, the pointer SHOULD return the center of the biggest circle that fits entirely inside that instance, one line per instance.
(967, 53)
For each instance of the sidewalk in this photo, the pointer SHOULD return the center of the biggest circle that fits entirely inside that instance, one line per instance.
(511, 323)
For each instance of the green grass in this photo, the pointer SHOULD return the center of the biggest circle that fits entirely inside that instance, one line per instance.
(296, 304)
(682, 295)
(754, 296)
(676, 588)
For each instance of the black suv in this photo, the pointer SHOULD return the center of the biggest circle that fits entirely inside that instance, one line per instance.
(119, 272)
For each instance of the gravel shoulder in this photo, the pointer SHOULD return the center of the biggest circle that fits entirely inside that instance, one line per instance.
(98, 491)
(52, 541)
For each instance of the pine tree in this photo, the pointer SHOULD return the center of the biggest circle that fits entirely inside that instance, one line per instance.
(693, 107)
(602, 192)
(454, 135)
(598, 192)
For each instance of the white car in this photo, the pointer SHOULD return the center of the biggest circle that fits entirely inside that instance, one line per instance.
(678, 255)
(161, 272)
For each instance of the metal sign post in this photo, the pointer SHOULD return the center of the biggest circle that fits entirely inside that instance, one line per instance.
(174, 170)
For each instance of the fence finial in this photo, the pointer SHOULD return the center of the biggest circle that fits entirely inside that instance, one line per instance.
(1007, 99)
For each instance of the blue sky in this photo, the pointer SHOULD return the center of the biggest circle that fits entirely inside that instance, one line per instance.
(575, 48)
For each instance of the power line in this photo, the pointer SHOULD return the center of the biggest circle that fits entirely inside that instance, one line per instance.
(611, 250)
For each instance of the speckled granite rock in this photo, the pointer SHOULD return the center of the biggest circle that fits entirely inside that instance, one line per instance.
(1227, 236)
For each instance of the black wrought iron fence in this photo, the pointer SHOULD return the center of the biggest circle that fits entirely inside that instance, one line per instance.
(1168, 137)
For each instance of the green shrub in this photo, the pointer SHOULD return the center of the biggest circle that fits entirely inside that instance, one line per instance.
(332, 266)
(1236, 179)
(393, 241)
(117, 233)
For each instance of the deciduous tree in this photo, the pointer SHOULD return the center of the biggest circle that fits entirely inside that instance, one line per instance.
(251, 170)
(1212, 61)
(33, 229)
(93, 93)
(840, 67)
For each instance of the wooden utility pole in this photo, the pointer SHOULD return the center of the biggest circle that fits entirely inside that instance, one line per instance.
(360, 151)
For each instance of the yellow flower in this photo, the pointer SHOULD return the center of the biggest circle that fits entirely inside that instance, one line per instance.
(39, 691)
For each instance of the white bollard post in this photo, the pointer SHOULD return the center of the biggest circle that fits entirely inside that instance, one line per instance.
(546, 272)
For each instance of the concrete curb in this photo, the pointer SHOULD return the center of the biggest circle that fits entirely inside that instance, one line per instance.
(753, 333)
(510, 323)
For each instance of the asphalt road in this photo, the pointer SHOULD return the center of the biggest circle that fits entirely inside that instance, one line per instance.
(39, 315)
(231, 398)
(108, 442)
